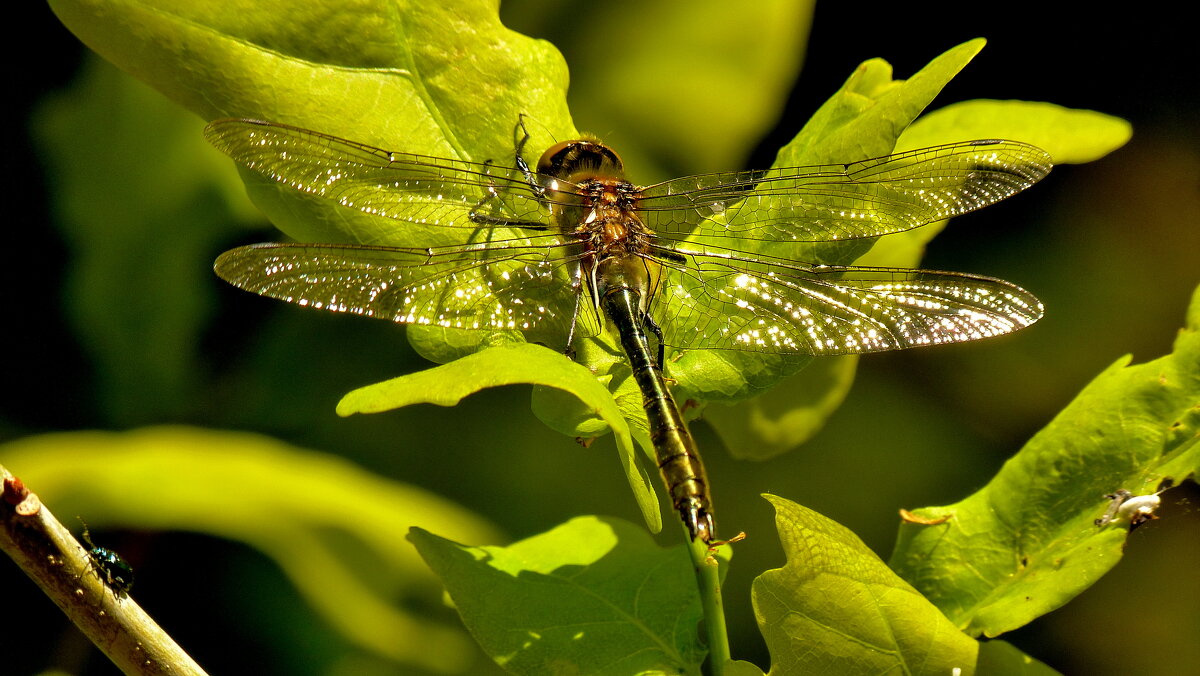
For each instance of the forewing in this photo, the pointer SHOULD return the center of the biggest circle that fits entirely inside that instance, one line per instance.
(726, 302)
(833, 202)
(413, 188)
(521, 288)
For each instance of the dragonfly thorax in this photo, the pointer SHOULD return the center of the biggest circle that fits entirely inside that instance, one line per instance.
(590, 199)
(607, 216)
(586, 188)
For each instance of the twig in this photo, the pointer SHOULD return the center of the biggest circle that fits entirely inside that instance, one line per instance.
(55, 560)
(708, 579)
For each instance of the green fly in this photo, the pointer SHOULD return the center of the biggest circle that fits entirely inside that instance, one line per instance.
(109, 566)
(538, 246)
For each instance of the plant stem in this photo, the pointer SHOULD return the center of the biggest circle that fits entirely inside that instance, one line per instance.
(708, 580)
(55, 560)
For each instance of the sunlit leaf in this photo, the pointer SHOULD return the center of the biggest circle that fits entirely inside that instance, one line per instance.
(593, 596)
(445, 79)
(742, 668)
(788, 415)
(1027, 542)
(866, 116)
(1070, 136)
(521, 363)
(863, 119)
(835, 608)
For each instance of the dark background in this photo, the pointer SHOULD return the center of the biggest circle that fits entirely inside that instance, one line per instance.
(1112, 248)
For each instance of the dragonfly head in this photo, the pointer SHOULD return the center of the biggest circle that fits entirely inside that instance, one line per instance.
(581, 157)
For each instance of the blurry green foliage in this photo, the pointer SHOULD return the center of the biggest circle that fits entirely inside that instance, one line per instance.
(140, 239)
(723, 70)
(331, 526)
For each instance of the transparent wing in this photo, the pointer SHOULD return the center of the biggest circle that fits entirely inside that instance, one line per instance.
(520, 287)
(831, 202)
(723, 301)
(413, 188)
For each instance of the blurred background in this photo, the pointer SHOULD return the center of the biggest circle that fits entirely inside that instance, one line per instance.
(123, 326)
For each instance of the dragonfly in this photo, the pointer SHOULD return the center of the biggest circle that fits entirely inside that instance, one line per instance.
(537, 249)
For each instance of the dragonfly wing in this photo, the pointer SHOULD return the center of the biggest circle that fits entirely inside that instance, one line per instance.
(726, 302)
(845, 201)
(413, 188)
(519, 288)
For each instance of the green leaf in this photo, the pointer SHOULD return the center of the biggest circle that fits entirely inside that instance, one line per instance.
(592, 596)
(520, 363)
(742, 668)
(1000, 658)
(1026, 543)
(867, 115)
(835, 608)
(790, 413)
(445, 79)
(1070, 136)
(439, 78)
(863, 119)
(323, 520)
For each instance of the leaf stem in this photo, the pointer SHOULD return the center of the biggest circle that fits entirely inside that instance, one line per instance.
(708, 580)
(55, 560)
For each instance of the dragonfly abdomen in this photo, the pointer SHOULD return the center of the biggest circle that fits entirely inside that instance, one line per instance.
(678, 460)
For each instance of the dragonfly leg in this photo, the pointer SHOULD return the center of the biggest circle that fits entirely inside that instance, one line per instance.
(649, 322)
(577, 286)
(713, 546)
(477, 216)
(521, 163)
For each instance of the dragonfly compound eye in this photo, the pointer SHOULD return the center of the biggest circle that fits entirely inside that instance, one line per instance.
(572, 158)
